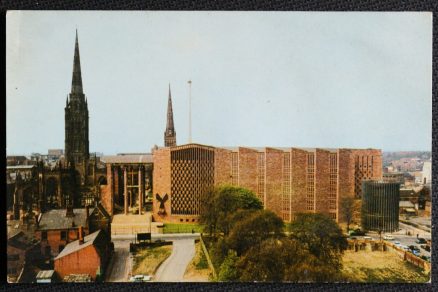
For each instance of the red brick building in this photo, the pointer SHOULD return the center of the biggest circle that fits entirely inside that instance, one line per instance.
(88, 255)
(56, 228)
(287, 180)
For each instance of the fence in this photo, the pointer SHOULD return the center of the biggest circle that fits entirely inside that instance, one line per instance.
(210, 263)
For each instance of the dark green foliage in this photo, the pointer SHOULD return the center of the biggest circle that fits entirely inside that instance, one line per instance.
(220, 204)
(202, 263)
(253, 228)
(321, 236)
(248, 243)
(228, 271)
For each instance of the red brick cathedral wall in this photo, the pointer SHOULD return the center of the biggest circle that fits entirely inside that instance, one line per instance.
(288, 181)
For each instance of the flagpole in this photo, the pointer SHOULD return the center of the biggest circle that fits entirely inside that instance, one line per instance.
(190, 110)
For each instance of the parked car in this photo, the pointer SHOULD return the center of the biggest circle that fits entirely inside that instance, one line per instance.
(388, 237)
(421, 240)
(140, 278)
(404, 247)
(367, 238)
(414, 247)
(397, 243)
(415, 252)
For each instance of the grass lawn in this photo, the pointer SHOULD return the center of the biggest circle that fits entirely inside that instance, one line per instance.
(147, 260)
(182, 228)
(198, 270)
(380, 267)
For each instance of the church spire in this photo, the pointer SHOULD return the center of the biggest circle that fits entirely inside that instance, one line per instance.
(169, 134)
(76, 83)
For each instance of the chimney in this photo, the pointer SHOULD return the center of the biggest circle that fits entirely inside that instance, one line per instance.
(87, 212)
(81, 235)
(69, 211)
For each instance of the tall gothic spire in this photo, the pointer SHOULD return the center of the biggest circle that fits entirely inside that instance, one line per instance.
(76, 83)
(169, 134)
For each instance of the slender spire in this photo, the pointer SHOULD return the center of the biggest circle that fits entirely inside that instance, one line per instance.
(169, 126)
(76, 83)
(169, 135)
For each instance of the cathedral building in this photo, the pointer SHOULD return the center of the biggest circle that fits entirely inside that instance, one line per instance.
(76, 122)
(286, 180)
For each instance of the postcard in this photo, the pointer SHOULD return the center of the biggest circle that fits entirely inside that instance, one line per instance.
(183, 146)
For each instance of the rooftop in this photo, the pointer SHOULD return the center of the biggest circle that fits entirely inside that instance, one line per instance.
(56, 219)
(20, 240)
(74, 246)
(128, 158)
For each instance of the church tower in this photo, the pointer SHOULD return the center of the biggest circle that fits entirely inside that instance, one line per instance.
(76, 120)
(169, 134)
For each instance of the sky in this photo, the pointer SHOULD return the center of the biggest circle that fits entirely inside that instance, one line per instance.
(277, 79)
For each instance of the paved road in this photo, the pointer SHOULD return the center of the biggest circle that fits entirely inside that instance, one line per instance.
(121, 263)
(173, 268)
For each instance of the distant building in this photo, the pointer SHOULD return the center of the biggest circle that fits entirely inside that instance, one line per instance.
(397, 177)
(408, 208)
(55, 152)
(380, 206)
(427, 172)
(88, 255)
(17, 160)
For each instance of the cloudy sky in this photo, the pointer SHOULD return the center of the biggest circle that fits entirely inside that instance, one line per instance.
(361, 80)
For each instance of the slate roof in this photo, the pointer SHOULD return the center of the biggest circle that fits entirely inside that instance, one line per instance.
(21, 241)
(56, 219)
(91, 239)
(128, 158)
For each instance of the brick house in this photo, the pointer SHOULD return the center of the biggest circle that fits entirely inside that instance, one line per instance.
(88, 255)
(56, 228)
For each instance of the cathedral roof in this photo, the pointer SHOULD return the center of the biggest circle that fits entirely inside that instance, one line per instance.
(128, 158)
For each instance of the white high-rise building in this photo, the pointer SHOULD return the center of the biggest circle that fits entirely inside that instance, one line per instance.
(427, 172)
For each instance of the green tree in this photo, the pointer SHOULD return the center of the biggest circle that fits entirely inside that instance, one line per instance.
(263, 262)
(228, 271)
(253, 228)
(220, 203)
(347, 209)
(322, 237)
